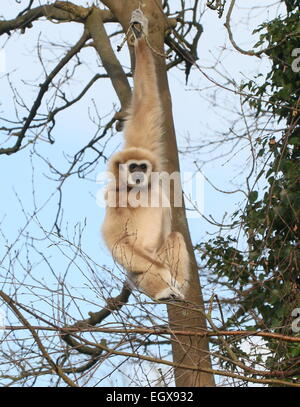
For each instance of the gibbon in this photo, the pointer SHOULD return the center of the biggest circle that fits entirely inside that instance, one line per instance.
(138, 234)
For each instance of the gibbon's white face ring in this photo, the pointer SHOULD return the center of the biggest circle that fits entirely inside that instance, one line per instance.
(136, 172)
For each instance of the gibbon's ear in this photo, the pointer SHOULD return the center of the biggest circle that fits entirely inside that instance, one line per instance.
(117, 163)
(114, 162)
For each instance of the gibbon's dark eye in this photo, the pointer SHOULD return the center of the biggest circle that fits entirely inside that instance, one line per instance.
(143, 167)
(132, 167)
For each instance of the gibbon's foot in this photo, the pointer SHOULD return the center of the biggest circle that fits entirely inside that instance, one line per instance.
(139, 23)
(169, 294)
(173, 298)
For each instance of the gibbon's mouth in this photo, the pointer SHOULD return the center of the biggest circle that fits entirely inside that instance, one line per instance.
(137, 179)
(137, 184)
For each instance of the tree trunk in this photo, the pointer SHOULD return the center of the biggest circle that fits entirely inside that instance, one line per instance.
(189, 350)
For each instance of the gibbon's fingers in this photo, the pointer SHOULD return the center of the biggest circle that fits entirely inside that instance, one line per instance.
(139, 23)
(137, 30)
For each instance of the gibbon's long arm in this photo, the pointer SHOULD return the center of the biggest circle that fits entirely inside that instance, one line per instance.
(144, 126)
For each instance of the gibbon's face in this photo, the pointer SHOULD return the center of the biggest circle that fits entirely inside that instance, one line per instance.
(137, 172)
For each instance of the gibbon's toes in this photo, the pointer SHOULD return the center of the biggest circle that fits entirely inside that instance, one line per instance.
(169, 294)
(139, 23)
(172, 298)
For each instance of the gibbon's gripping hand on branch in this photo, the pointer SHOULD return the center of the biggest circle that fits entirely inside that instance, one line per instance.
(137, 227)
(139, 23)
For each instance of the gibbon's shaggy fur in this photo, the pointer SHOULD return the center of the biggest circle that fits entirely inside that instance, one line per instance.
(139, 236)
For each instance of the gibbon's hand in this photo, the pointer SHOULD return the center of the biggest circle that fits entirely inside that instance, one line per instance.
(139, 23)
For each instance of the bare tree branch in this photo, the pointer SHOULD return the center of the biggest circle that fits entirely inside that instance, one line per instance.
(45, 353)
(94, 24)
(43, 89)
(60, 11)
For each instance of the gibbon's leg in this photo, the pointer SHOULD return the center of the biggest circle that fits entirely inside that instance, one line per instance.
(157, 283)
(174, 253)
(147, 272)
(135, 259)
(178, 259)
(169, 282)
(143, 127)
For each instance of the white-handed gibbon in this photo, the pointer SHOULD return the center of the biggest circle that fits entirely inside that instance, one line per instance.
(139, 234)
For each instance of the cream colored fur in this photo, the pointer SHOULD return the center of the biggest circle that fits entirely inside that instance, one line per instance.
(140, 238)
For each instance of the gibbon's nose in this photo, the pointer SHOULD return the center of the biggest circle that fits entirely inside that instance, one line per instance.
(138, 177)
